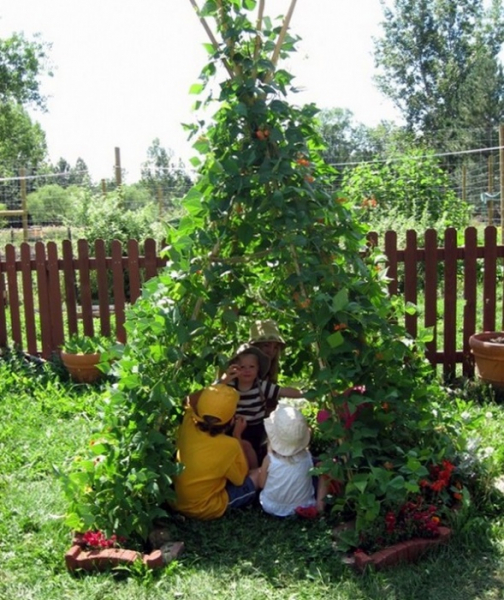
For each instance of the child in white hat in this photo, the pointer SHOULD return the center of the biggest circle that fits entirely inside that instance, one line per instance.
(285, 474)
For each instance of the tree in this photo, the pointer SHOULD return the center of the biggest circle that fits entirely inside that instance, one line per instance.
(439, 64)
(348, 142)
(22, 142)
(77, 175)
(165, 178)
(22, 62)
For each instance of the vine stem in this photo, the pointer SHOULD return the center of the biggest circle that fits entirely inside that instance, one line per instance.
(215, 44)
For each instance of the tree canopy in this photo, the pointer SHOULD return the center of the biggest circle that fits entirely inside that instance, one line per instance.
(439, 63)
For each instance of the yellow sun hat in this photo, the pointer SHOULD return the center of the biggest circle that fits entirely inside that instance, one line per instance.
(218, 401)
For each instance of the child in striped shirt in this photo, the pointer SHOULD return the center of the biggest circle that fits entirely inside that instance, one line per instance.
(245, 373)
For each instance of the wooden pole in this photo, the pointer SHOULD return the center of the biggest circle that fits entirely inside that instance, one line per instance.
(118, 176)
(490, 190)
(464, 182)
(501, 178)
(22, 174)
(160, 201)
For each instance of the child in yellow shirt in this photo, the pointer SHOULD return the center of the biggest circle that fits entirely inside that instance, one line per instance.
(215, 475)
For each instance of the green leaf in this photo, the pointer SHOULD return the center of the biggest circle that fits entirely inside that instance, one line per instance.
(196, 88)
(335, 339)
(340, 301)
(245, 232)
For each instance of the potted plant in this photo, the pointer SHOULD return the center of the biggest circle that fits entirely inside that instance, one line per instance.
(81, 354)
(487, 347)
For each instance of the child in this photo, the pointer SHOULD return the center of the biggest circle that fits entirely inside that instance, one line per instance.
(266, 336)
(285, 472)
(258, 396)
(215, 475)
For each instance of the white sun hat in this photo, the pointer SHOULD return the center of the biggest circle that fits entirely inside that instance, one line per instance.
(287, 430)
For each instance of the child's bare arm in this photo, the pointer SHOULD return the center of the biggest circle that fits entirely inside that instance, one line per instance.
(290, 392)
(263, 472)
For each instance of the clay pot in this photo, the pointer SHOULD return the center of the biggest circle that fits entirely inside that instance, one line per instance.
(409, 551)
(489, 357)
(82, 367)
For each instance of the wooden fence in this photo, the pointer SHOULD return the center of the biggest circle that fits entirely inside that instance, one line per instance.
(444, 279)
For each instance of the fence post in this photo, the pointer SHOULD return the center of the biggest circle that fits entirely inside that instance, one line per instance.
(22, 174)
(118, 174)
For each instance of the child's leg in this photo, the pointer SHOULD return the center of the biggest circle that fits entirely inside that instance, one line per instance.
(322, 491)
(250, 454)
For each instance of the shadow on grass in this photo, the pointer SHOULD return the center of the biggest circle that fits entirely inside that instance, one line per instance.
(286, 552)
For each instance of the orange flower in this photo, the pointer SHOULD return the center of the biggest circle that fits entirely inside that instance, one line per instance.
(340, 326)
(457, 496)
(260, 135)
(309, 179)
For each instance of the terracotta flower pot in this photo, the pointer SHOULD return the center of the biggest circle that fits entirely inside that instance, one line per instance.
(489, 357)
(80, 557)
(82, 367)
(408, 551)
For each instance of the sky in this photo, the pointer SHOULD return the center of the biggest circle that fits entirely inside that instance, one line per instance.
(123, 70)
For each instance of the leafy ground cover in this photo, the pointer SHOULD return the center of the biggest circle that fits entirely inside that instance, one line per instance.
(46, 420)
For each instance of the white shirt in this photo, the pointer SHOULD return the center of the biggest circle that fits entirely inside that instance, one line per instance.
(288, 484)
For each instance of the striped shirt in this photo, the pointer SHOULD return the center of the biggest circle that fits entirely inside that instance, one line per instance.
(252, 403)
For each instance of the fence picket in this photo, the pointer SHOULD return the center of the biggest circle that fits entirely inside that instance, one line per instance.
(134, 271)
(119, 296)
(14, 303)
(70, 287)
(54, 290)
(28, 303)
(470, 297)
(489, 278)
(103, 287)
(391, 253)
(85, 287)
(431, 283)
(63, 283)
(411, 280)
(44, 301)
(450, 302)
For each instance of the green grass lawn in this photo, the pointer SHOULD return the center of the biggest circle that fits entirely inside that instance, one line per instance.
(45, 420)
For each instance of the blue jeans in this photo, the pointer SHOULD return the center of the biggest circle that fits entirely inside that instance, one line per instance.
(240, 495)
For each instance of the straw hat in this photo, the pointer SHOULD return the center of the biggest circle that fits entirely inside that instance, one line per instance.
(287, 430)
(264, 361)
(265, 331)
(217, 401)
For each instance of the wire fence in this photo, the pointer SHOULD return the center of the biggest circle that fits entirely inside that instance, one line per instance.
(475, 175)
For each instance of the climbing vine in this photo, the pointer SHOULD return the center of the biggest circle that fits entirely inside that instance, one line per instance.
(263, 235)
